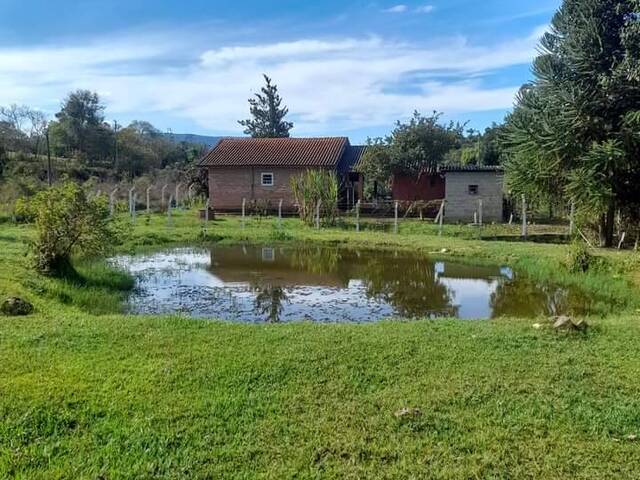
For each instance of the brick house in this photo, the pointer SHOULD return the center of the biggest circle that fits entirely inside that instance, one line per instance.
(260, 169)
(461, 186)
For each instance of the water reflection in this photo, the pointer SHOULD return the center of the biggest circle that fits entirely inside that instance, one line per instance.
(266, 283)
(270, 302)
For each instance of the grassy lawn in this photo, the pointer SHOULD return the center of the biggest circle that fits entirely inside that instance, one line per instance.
(86, 392)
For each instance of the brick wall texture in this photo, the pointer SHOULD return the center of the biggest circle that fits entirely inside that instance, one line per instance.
(229, 185)
(461, 205)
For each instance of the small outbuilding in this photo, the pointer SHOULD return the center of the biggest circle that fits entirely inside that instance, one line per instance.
(468, 191)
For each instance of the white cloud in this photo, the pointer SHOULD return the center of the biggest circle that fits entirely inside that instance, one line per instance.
(425, 9)
(330, 85)
(396, 9)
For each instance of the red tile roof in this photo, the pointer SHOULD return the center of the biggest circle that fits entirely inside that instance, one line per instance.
(277, 152)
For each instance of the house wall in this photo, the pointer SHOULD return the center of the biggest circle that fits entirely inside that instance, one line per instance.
(229, 185)
(429, 187)
(461, 205)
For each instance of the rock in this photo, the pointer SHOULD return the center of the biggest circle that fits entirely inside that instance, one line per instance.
(537, 326)
(408, 413)
(564, 322)
(14, 306)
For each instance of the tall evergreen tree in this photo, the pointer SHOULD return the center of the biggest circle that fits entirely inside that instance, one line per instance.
(575, 132)
(268, 114)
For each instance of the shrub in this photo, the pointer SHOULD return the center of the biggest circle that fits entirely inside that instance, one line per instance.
(579, 259)
(67, 222)
(313, 186)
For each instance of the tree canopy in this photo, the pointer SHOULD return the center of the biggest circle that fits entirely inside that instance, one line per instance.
(413, 148)
(574, 134)
(267, 114)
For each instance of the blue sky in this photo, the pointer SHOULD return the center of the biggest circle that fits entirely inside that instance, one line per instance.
(343, 67)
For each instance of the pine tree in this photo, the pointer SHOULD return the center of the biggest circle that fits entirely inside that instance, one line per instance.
(573, 135)
(268, 114)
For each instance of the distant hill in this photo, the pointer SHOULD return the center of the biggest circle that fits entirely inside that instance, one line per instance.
(206, 140)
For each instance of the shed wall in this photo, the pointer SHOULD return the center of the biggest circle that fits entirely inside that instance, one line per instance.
(461, 205)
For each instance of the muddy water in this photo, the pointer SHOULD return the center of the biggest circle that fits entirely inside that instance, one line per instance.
(329, 284)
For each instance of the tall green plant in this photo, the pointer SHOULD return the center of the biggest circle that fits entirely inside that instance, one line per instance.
(313, 186)
(67, 222)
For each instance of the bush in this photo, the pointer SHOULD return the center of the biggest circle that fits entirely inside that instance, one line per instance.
(67, 222)
(579, 259)
(311, 187)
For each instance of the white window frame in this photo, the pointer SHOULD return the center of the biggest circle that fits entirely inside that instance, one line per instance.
(273, 179)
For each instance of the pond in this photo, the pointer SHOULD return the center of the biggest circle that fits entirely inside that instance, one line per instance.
(329, 284)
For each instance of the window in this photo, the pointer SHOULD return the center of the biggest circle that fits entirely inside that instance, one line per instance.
(268, 254)
(473, 189)
(266, 179)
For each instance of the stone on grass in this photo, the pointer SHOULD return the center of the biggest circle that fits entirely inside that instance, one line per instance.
(408, 412)
(566, 323)
(14, 306)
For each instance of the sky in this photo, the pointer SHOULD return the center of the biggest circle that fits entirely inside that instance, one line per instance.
(345, 67)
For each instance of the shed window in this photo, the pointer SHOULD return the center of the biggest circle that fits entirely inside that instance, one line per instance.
(473, 189)
(266, 179)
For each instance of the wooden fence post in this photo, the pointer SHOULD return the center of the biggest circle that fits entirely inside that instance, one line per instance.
(480, 212)
(131, 190)
(572, 218)
(358, 216)
(178, 186)
(149, 200)
(207, 205)
(441, 218)
(524, 217)
(280, 213)
(318, 214)
(164, 189)
(169, 209)
(243, 207)
(133, 207)
(112, 200)
(395, 218)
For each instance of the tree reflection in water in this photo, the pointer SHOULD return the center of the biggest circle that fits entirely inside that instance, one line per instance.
(270, 302)
(411, 285)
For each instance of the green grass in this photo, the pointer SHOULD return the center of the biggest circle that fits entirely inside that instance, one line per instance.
(85, 394)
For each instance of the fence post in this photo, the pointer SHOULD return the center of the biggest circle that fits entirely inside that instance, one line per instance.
(280, 213)
(358, 216)
(395, 218)
(164, 189)
(318, 214)
(149, 200)
(169, 209)
(133, 207)
(480, 212)
(511, 219)
(441, 218)
(207, 205)
(243, 205)
(131, 190)
(111, 200)
(572, 218)
(190, 191)
(178, 185)
(524, 216)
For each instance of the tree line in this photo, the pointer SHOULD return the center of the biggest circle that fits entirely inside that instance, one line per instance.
(84, 144)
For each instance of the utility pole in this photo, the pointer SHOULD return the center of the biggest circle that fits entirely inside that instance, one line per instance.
(49, 172)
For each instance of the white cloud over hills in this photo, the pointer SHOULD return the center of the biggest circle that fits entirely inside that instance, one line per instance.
(329, 84)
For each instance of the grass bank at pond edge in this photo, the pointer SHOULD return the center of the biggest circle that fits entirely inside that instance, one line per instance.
(612, 280)
(114, 396)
